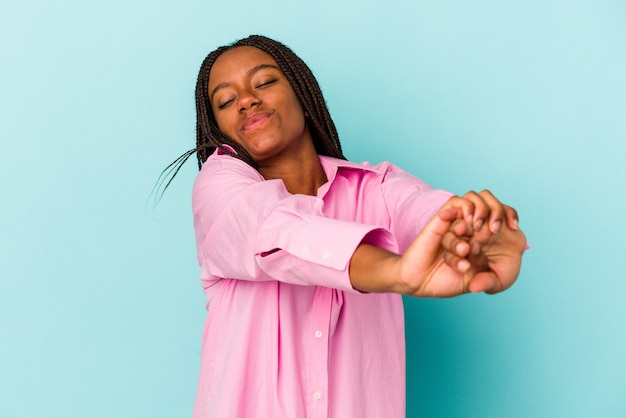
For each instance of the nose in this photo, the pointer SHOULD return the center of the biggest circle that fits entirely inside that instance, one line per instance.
(247, 100)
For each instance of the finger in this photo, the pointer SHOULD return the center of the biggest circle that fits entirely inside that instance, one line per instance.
(456, 245)
(512, 218)
(461, 228)
(481, 209)
(460, 264)
(464, 206)
(449, 214)
(496, 210)
(434, 231)
(484, 282)
(475, 247)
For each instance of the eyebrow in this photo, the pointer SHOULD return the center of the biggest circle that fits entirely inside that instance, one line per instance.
(251, 71)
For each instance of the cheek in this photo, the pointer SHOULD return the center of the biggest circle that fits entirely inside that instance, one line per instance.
(297, 108)
(222, 123)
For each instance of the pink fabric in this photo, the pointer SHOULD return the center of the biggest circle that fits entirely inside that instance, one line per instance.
(286, 334)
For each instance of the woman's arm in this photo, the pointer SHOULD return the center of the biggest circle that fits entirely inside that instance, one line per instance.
(473, 244)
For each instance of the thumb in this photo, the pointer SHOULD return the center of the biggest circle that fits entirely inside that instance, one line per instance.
(429, 240)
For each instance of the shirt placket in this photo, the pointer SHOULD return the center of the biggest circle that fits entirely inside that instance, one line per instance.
(318, 333)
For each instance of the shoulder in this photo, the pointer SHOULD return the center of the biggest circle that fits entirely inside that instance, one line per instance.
(221, 178)
(222, 169)
(225, 164)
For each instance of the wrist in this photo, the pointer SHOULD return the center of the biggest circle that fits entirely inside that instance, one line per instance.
(373, 269)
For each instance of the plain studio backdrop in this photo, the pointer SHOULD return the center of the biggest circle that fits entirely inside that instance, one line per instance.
(101, 309)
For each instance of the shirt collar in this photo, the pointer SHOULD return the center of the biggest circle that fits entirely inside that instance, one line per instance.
(332, 166)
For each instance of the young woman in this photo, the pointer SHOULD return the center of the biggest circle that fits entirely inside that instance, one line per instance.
(304, 256)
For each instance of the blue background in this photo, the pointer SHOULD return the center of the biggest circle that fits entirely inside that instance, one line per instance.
(101, 309)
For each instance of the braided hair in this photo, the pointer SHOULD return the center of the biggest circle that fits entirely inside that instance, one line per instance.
(302, 81)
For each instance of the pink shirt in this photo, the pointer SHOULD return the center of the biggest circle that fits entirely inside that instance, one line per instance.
(286, 334)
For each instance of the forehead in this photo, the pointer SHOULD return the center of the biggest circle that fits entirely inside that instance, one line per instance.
(237, 62)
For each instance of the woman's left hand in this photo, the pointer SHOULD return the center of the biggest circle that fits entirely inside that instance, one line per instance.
(486, 246)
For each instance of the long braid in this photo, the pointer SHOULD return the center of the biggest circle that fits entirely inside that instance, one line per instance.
(305, 86)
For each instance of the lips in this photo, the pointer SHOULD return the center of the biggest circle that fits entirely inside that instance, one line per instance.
(255, 121)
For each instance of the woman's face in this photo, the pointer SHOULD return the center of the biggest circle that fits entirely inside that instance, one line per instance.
(255, 105)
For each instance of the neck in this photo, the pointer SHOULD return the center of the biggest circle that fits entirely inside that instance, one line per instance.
(301, 175)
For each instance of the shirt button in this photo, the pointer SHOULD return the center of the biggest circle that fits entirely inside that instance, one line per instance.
(317, 396)
(318, 334)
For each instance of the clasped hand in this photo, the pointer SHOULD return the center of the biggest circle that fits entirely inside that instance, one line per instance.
(473, 244)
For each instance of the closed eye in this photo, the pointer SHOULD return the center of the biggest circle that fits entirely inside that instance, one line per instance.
(265, 83)
(226, 103)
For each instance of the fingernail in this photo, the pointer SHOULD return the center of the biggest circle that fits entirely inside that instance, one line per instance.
(495, 227)
(478, 224)
(515, 224)
(463, 265)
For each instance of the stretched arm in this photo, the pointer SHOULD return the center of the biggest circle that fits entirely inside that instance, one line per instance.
(472, 244)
